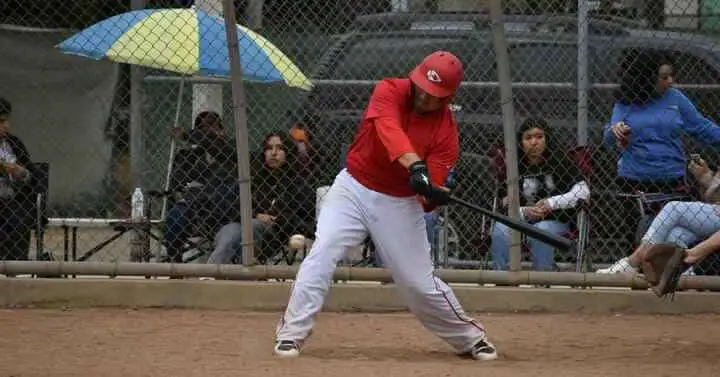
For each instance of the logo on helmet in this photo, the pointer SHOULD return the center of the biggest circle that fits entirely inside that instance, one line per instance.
(433, 76)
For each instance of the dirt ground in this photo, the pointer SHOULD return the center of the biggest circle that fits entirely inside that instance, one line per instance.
(115, 342)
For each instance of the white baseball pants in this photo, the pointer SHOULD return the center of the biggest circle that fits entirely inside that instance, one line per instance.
(349, 212)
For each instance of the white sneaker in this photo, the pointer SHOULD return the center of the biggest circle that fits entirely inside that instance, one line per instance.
(483, 351)
(287, 349)
(619, 267)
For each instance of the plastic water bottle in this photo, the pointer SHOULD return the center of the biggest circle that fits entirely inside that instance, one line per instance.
(139, 246)
(137, 204)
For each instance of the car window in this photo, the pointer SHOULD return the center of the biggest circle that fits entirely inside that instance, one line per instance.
(482, 66)
(543, 62)
(690, 69)
(377, 57)
(604, 65)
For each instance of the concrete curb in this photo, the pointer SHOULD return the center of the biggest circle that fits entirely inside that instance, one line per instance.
(254, 296)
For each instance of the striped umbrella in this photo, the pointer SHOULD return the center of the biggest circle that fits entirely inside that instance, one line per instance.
(187, 41)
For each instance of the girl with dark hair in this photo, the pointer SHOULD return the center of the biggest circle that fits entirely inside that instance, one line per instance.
(281, 203)
(647, 122)
(550, 187)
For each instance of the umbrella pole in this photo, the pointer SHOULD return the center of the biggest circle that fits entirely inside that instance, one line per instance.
(171, 160)
(241, 132)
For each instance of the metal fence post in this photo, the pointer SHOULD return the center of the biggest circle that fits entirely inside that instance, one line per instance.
(241, 133)
(139, 246)
(583, 78)
(207, 96)
(508, 117)
(136, 128)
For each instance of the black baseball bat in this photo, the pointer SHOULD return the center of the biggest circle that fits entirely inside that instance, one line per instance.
(521, 226)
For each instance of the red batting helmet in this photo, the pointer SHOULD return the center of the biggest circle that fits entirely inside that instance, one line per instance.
(439, 74)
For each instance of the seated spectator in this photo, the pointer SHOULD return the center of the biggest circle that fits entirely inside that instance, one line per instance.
(306, 155)
(205, 176)
(648, 121)
(550, 186)
(680, 223)
(16, 191)
(301, 138)
(282, 204)
(702, 250)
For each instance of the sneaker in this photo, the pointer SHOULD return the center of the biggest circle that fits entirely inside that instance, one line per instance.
(619, 267)
(287, 349)
(483, 351)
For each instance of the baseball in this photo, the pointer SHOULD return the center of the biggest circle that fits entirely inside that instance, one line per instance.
(296, 242)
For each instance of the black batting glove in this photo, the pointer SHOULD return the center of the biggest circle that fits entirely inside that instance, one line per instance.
(420, 178)
(421, 184)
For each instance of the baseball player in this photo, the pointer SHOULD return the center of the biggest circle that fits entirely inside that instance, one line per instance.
(402, 153)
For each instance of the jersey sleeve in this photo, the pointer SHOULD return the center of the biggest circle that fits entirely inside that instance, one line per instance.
(443, 155)
(695, 123)
(386, 112)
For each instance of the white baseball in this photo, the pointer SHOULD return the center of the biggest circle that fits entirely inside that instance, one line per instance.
(297, 242)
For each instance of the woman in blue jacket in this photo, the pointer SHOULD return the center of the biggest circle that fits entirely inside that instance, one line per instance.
(648, 120)
(647, 124)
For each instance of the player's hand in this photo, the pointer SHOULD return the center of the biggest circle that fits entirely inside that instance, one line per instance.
(620, 130)
(420, 178)
(421, 184)
(425, 200)
(16, 171)
(534, 213)
(698, 168)
(544, 206)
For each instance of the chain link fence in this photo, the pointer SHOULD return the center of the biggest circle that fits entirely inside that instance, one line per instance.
(90, 144)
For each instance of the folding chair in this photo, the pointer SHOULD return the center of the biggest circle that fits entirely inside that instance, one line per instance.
(582, 155)
(200, 236)
(649, 204)
(199, 241)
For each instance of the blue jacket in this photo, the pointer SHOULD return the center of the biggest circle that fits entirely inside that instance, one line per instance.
(655, 150)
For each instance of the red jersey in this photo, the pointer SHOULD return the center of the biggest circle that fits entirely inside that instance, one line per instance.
(389, 129)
